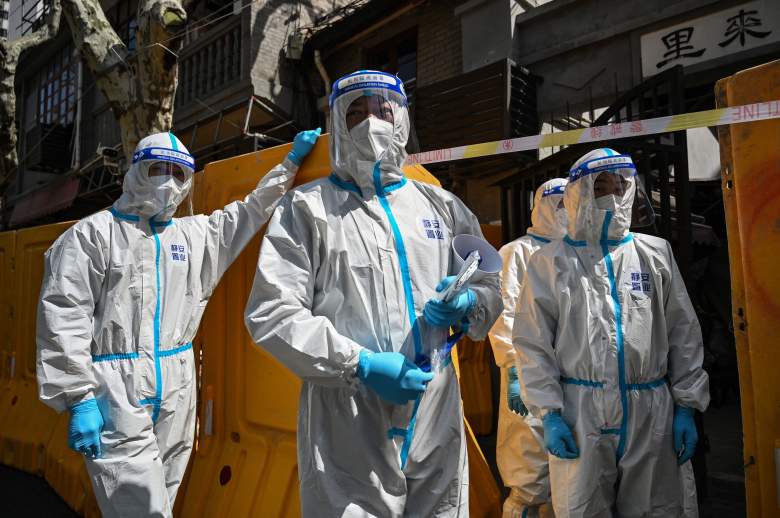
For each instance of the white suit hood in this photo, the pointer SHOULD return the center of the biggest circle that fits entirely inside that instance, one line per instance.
(143, 196)
(547, 220)
(349, 162)
(586, 220)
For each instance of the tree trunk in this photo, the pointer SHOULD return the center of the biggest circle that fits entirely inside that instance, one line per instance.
(10, 51)
(140, 88)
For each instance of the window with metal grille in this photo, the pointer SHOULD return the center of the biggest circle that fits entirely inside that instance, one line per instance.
(57, 89)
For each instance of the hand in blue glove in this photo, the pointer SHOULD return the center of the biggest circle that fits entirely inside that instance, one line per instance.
(302, 145)
(446, 314)
(558, 438)
(84, 428)
(685, 435)
(513, 399)
(392, 376)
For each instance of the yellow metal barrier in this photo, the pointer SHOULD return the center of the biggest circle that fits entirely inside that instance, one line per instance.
(7, 359)
(7, 350)
(28, 424)
(750, 166)
(476, 360)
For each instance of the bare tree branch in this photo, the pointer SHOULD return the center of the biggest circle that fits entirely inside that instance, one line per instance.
(139, 88)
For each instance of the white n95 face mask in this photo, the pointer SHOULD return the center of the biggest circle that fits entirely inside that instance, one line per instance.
(372, 137)
(608, 202)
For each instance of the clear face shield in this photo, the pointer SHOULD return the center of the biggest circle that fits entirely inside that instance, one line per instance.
(615, 177)
(369, 119)
(160, 172)
(169, 174)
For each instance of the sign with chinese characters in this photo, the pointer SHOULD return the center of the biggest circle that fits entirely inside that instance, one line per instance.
(743, 27)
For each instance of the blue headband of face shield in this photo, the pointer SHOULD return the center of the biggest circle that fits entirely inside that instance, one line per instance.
(166, 155)
(367, 80)
(600, 165)
(558, 189)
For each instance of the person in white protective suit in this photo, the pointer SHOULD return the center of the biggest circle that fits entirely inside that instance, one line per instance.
(610, 352)
(520, 452)
(123, 294)
(344, 273)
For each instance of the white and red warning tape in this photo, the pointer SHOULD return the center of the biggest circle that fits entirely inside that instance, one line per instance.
(760, 111)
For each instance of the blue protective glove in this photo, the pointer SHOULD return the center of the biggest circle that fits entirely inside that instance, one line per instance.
(84, 428)
(392, 376)
(513, 399)
(558, 438)
(302, 145)
(446, 314)
(685, 435)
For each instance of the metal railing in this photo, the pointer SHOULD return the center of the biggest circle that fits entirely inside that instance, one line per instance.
(210, 64)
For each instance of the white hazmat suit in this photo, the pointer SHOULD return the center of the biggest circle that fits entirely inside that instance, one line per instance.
(347, 264)
(123, 294)
(605, 333)
(520, 452)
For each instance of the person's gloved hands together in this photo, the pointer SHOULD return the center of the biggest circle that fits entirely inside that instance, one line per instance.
(446, 314)
(513, 399)
(302, 145)
(392, 376)
(84, 428)
(685, 435)
(558, 437)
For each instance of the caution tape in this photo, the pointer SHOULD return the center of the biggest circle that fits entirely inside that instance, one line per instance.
(732, 115)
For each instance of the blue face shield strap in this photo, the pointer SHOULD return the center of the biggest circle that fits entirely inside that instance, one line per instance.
(166, 155)
(600, 165)
(367, 80)
(558, 189)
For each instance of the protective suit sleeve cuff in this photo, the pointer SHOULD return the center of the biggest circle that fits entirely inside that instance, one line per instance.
(87, 403)
(507, 361)
(290, 164)
(78, 399)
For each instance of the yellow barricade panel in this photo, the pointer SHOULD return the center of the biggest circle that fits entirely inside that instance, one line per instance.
(29, 423)
(475, 384)
(7, 359)
(476, 359)
(7, 347)
(750, 166)
(245, 460)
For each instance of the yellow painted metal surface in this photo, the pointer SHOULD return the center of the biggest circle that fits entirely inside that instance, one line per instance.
(7, 360)
(32, 436)
(750, 166)
(28, 424)
(476, 359)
